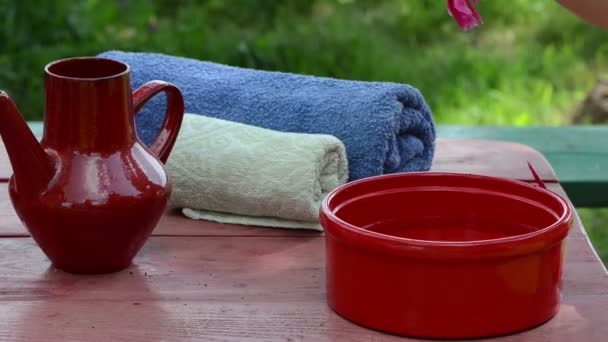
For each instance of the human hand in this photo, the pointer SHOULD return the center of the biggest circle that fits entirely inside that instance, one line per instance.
(592, 11)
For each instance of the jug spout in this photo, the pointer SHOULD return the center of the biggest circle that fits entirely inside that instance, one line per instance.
(32, 166)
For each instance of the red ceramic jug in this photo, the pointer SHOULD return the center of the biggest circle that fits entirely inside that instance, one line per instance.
(90, 193)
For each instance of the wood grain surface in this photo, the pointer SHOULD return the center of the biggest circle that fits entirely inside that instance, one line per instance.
(202, 281)
(228, 289)
(494, 158)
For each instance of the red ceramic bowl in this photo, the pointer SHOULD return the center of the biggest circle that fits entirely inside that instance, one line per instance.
(442, 255)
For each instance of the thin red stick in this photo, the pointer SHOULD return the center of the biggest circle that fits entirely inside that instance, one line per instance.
(536, 177)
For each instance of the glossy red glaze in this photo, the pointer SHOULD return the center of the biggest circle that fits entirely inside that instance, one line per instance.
(442, 255)
(90, 193)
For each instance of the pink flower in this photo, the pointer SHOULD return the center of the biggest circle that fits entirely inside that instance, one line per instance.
(465, 14)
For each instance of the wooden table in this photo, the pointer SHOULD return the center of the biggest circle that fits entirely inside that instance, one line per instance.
(198, 280)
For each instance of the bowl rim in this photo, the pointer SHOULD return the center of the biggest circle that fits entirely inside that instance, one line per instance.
(504, 246)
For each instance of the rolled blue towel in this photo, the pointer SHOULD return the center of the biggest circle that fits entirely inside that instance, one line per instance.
(385, 127)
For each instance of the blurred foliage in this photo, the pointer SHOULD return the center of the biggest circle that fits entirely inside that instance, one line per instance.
(530, 63)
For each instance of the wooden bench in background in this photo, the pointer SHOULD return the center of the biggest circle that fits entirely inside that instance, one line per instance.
(579, 154)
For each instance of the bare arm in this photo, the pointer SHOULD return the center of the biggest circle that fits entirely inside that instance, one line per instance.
(592, 11)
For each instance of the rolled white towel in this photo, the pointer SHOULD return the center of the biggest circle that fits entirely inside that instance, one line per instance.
(235, 173)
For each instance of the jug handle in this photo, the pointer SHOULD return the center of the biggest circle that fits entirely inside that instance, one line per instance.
(163, 144)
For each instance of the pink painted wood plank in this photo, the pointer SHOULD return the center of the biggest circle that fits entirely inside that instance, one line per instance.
(173, 223)
(494, 158)
(224, 288)
(454, 155)
(254, 285)
(181, 266)
(238, 288)
(581, 318)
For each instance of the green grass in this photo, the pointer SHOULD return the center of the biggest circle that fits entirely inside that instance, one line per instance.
(530, 63)
(596, 225)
